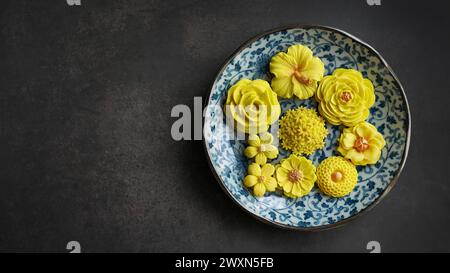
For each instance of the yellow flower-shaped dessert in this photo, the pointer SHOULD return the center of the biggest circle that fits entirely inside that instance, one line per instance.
(345, 97)
(260, 179)
(362, 144)
(296, 176)
(261, 148)
(302, 131)
(253, 105)
(336, 176)
(296, 72)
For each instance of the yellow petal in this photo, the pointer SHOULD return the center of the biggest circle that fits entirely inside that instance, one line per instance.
(282, 65)
(254, 169)
(250, 152)
(287, 187)
(306, 166)
(283, 87)
(295, 162)
(301, 90)
(253, 140)
(287, 165)
(365, 130)
(261, 159)
(266, 138)
(301, 54)
(282, 175)
(379, 140)
(270, 183)
(355, 156)
(341, 150)
(348, 140)
(267, 170)
(271, 152)
(314, 69)
(296, 190)
(259, 190)
(372, 155)
(287, 194)
(250, 181)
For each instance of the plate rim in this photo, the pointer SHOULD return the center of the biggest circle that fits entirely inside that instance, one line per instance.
(392, 183)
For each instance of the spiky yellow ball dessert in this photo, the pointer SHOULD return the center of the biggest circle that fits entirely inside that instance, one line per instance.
(336, 176)
(296, 72)
(302, 131)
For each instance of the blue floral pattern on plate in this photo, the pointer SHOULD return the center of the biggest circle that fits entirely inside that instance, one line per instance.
(390, 115)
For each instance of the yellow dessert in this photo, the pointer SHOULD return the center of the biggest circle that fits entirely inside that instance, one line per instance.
(296, 176)
(362, 144)
(336, 176)
(260, 179)
(261, 148)
(296, 72)
(345, 97)
(253, 105)
(302, 131)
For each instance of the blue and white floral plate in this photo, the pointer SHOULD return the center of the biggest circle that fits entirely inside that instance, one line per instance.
(390, 115)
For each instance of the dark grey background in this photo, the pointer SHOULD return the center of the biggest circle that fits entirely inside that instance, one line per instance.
(86, 152)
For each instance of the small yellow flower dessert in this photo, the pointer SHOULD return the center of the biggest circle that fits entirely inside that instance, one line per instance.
(261, 148)
(296, 176)
(336, 176)
(362, 144)
(345, 97)
(302, 131)
(296, 72)
(260, 179)
(253, 105)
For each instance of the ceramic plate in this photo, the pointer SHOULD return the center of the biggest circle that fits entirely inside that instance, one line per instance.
(390, 115)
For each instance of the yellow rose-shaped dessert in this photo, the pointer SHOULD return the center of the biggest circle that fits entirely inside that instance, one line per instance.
(336, 176)
(296, 176)
(261, 148)
(345, 97)
(260, 179)
(302, 131)
(296, 72)
(362, 144)
(253, 105)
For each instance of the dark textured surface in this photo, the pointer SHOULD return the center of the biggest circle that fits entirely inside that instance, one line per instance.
(86, 153)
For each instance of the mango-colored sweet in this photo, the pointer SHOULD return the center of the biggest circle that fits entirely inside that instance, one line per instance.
(296, 72)
(296, 176)
(302, 131)
(362, 144)
(260, 148)
(253, 106)
(260, 179)
(336, 176)
(345, 97)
